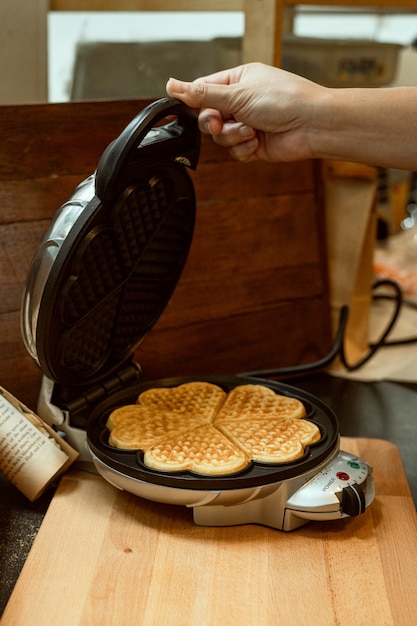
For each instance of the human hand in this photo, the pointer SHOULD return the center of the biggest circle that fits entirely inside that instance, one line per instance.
(257, 111)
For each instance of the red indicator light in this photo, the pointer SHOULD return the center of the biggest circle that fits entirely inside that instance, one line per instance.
(342, 476)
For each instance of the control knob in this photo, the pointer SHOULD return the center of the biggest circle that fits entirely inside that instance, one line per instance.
(353, 500)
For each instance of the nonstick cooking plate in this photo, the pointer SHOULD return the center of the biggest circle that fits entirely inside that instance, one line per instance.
(129, 462)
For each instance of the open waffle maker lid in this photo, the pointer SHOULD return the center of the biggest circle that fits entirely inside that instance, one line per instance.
(114, 252)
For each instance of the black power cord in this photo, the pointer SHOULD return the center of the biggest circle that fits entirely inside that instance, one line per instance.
(407, 340)
(338, 350)
(374, 347)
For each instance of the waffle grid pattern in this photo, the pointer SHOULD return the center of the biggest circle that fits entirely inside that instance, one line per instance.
(121, 275)
(198, 428)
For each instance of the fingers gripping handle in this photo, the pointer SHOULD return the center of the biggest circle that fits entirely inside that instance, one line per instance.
(140, 142)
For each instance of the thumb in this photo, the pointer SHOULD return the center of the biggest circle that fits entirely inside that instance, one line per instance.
(200, 94)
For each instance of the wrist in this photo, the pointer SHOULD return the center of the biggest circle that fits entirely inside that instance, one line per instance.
(325, 121)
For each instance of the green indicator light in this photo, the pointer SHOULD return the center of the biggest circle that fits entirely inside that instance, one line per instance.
(354, 465)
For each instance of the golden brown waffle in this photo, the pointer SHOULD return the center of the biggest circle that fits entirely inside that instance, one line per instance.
(203, 450)
(256, 401)
(199, 427)
(161, 411)
(194, 398)
(137, 427)
(270, 440)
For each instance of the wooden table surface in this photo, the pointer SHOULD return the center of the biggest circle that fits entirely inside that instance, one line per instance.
(107, 557)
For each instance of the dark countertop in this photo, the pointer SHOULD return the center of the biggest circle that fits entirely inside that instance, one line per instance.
(377, 410)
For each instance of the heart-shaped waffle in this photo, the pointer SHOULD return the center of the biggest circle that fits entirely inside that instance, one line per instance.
(194, 398)
(135, 427)
(271, 440)
(199, 427)
(256, 401)
(203, 450)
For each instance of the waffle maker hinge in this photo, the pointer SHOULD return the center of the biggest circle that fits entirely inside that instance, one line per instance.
(68, 409)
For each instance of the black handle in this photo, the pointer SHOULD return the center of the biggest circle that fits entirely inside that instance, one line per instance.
(179, 139)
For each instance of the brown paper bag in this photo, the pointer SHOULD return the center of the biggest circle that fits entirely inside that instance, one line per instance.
(350, 191)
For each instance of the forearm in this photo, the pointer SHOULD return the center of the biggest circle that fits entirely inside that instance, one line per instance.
(261, 112)
(374, 126)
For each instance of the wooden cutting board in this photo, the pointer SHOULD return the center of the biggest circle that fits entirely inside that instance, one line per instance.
(106, 557)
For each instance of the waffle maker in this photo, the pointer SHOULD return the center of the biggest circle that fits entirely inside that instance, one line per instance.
(99, 281)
